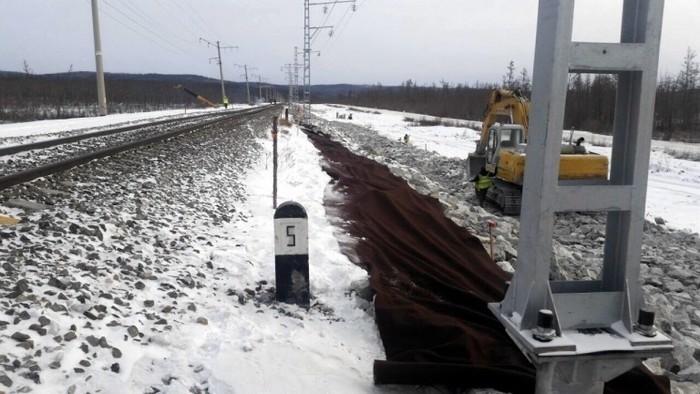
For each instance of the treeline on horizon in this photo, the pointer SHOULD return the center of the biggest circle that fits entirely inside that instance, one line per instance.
(590, 100)
(25, 96)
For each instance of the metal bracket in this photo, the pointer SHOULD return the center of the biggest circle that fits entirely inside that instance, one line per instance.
(594, 320)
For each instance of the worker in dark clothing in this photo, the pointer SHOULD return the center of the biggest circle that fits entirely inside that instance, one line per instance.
(482, 183)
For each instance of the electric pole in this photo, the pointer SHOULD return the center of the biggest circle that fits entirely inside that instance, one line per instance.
(99, 70)
(224, 99)
(290, 79)
(290, 73)
(307, 61)
(260, 87)
(307, 47)
(296, 75)
(247, 84)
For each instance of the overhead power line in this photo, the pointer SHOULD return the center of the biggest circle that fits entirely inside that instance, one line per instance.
(196, 17)
(328, 15)
(181, 21)
(135, 31)
(342, 23)
(145, 28)
(155, 23)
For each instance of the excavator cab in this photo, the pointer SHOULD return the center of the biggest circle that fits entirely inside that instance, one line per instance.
(504, 105)
(508, 136)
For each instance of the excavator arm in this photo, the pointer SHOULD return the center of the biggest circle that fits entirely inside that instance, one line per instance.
(199, 98)
(503, 102)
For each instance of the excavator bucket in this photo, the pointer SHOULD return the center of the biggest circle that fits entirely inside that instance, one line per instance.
(475, 162)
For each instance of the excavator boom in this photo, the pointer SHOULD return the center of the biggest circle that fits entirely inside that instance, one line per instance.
(503, 102)
(199, 98)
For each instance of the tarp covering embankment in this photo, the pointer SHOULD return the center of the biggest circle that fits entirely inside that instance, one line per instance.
(432, 281)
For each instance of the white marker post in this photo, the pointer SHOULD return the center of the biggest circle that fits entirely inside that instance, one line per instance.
(292, 254)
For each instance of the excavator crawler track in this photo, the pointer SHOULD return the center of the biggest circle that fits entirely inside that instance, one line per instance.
(506, 196)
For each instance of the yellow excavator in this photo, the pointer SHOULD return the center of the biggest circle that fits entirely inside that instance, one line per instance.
(501, 151)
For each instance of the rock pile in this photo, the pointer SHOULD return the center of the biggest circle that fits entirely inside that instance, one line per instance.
(114, 257)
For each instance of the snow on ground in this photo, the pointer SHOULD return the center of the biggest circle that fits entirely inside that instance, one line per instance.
(227, 334)
(257, 352)
(447, 141)
(43, 127)
(673, 190)
(679, 150)
(250, 348)
(674, 184)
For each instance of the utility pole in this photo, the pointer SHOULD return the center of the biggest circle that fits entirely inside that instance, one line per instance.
(295, 99)
(224, 99)
(307, 47)
(247, 84)
(290, 79)
(307, 61)
(100, 74)
(260, 96)
(290, 73)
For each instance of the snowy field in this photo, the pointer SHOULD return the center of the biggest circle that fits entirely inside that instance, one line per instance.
(448, 141)
(674, 184)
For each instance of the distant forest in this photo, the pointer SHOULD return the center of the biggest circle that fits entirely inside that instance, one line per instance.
(26, 96)
(590, 100)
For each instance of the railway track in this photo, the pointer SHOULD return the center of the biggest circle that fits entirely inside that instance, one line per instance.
(60, 154)
(14, 149)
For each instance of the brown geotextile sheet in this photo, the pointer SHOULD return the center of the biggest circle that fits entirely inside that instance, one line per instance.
(432, 281)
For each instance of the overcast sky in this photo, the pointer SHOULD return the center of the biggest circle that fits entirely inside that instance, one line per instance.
(385, 41)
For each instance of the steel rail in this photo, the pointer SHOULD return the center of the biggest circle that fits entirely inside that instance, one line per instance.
(66, 164)
(12, 149)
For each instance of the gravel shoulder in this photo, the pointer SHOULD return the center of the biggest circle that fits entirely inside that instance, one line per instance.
(34, 158)
(95, 280)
